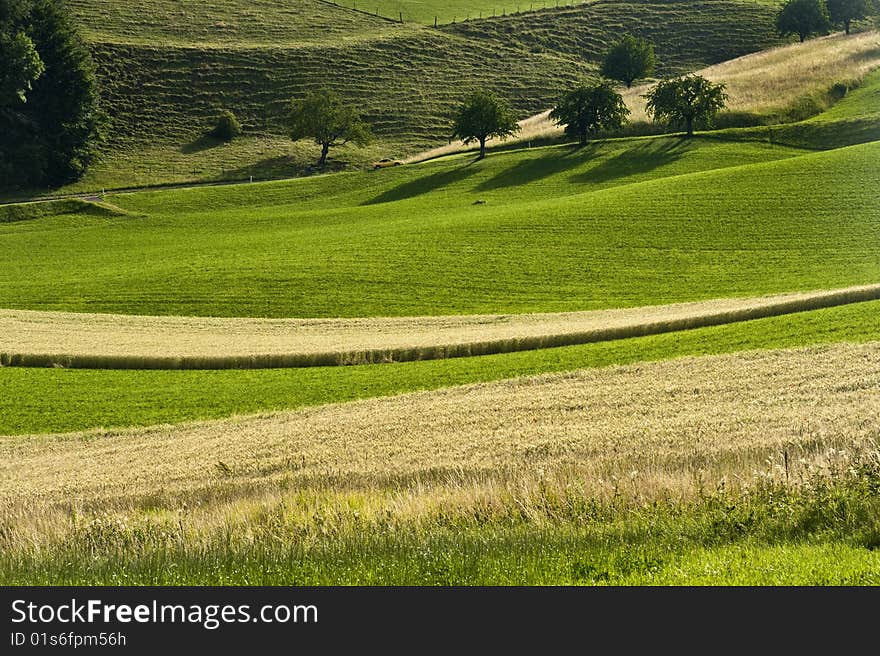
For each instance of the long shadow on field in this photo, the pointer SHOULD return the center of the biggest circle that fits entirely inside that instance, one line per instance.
(424, 185)
(533, 169)
(635, 161)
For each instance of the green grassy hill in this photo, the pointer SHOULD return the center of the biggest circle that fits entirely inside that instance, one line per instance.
(167, 68)
(254, 23)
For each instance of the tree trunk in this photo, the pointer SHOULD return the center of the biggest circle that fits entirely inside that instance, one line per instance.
(803, 37)
(482, 147)
(690, 126)
(846, 26)
(325, 148)
(583, 139)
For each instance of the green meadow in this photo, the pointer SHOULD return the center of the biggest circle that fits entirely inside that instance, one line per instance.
(559, 230)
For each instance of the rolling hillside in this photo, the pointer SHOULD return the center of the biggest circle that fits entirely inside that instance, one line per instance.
(637, 226)
(167, 68)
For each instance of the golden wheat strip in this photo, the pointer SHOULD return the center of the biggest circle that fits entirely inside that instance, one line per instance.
(38, 339)
(721, 414)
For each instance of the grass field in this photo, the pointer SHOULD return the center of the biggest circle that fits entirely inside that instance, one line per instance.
(556, 483)
(107, 341)
(258, 21)
(743, 453)
(411, 241)
(685, 34)
(60, 400)
(451, 11)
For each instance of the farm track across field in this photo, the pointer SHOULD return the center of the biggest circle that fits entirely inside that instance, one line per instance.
(96, 341)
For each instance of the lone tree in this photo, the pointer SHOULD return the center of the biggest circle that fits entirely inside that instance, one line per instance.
(483, 115)
(628, 60)
(803, 17)
(322, 116)
(49, 115)
(587, 109)
(844, 12)
(685, 101)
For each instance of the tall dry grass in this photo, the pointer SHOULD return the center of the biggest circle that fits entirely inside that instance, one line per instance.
(133, 342)
(537, 449)
(665, 421)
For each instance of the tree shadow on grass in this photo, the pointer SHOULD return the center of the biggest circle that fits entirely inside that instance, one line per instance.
(425, 184)
(644, 158)
(271, 168)
(203, 143)
(533, 169)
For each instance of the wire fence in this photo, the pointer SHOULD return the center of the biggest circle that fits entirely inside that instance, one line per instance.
(507, 9)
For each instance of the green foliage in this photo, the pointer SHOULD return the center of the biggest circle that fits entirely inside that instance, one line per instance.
(588, 109)
(823, 532)
(323, 117)
(686, 101)
(629, 59)
(51, 139)
(20, 67)
(227, 128)
(484, 115)
(803, 17)
(844, 12)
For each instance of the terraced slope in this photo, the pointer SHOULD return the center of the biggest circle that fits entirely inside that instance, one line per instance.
(406, 85)
(167, 68)
(266, 23)
(687, 35)
(413, 242)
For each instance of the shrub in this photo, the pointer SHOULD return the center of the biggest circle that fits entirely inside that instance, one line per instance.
(228, 127)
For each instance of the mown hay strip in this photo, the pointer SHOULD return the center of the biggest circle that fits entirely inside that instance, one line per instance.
(307, 343)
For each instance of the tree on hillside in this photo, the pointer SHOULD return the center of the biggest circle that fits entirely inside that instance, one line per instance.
(628, 60)
(484, 115)
(804, 18)
(587, 109)
(49, 113)
(844, 12)
(323, 117)
(686, 101)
